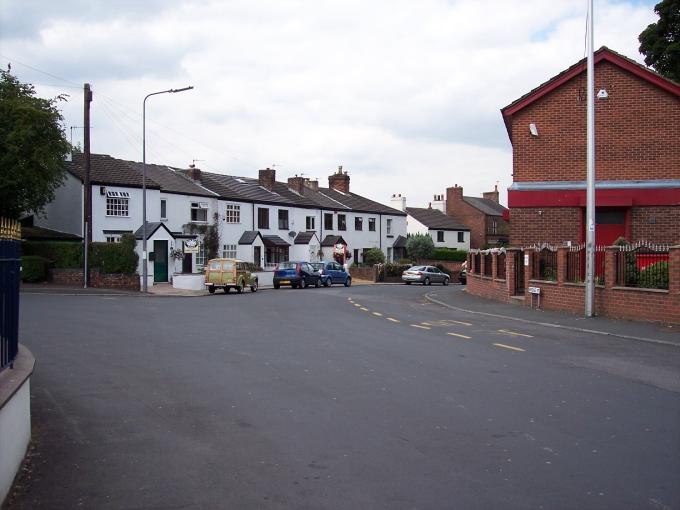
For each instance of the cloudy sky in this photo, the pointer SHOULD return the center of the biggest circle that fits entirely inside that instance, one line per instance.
(405, 95)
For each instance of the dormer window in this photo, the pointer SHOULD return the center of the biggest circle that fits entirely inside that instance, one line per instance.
(117, 203)
(199, 212)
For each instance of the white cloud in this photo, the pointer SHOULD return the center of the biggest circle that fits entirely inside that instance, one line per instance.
(405, 95)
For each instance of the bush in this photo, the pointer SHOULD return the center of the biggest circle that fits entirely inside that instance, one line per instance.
(654, 276)
(449, 254)
(420, 246)
(61, 254)
(386, 270)
(374, 256)
(33, 268)
(115, 257)
(443, 269)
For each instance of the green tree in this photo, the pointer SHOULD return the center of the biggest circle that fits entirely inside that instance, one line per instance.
(374, 256)
(32, 148)
(419, 246)
(660, 41)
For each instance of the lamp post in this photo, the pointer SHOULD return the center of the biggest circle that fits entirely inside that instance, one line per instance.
(144, 253)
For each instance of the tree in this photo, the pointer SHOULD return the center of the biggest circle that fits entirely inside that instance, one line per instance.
(419, 246)
(660, 41)
(374, 256)
(32, 148)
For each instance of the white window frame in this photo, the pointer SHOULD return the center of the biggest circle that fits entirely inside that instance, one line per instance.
(388, 226)
(199, 206)
(232, 213)
(118, 204)
(113, 238)
(229, 251)
(310, 222)
(164, 201)
(201, 256)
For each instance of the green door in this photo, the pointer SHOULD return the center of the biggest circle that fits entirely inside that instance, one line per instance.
(160, 263)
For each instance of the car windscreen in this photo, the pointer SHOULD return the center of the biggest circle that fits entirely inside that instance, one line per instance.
(216, 265)
(417, 268)
(288, 265)
(227, 266)
(317, 265)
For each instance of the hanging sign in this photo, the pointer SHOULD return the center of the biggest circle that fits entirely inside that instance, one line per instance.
(191, 246)
(339, 249)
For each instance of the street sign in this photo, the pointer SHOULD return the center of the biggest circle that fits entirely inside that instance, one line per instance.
(534, 290)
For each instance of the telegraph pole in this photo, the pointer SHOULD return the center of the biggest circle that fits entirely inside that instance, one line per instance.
(87, 95)
(590, 155)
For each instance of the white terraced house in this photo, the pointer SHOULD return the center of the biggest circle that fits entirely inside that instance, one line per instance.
(261, 220)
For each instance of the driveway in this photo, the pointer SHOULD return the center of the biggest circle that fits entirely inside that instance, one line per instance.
(341, 398)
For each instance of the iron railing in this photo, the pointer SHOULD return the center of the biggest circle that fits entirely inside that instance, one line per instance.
(519, 273)
(545, 263)
(476, 263)
(500, 265)
(10, 275)
(576, 264)
(488, 264)
(642, 265)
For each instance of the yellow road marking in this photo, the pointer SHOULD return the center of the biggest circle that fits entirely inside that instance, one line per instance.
(451, 321)
(357, 304)
(513, 333)
(459, 336)
(509, 347)
(377, 314)
(364, 309)
(392, 320)
(419, 326)
(426, 324)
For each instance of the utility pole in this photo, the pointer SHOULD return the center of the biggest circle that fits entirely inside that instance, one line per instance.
(590, 156)
(87, 95)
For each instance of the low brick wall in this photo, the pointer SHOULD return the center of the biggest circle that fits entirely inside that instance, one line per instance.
(74, 278)
(363, 273)
(631, 303)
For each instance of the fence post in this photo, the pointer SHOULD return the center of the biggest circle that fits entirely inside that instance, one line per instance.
(610, 267)
(482, 264)
(528, 269)
(674, 270)
(562, 252)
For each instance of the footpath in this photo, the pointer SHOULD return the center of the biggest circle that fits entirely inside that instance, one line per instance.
(632, 330)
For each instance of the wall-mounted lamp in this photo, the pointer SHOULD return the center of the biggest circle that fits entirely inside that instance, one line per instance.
(533, 129)
(602, 94)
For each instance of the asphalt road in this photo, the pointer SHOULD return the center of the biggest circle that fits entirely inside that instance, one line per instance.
(342, 398)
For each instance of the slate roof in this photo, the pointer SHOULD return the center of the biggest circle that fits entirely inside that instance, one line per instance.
(272, 240)
(172, 180)
(45, 234)
(304, 237)
(151, 227)
(485, 205)
(248, 237)
(399, 242)
(435, 219)
(105, 170)
(333, 240)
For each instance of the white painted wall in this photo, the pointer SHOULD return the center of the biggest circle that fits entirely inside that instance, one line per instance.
(15, 434)
(65, 212)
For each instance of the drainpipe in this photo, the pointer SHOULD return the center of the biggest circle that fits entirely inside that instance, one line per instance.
(380, 229)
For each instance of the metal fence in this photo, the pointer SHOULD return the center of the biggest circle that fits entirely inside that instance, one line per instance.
(576, 264)
(545, 263)
(488, 264)
(500, 266)
(642, 265)
(10, 267)
(519, 273)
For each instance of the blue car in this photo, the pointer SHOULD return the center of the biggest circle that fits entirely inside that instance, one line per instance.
(331, 272)
(296, 274)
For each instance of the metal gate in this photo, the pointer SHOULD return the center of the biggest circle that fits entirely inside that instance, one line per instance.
(10, 275)
(519, 273)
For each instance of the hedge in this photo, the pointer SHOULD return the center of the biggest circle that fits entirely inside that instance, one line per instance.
(61, 254)
(449, 254)
(33, 268)
(115, 257)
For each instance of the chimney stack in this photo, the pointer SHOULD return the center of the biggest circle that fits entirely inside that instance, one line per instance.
(339, 181)
(194, 173)
(312, 184)
(267, 177)
(398, 202)
(454, 196)
(492, 195)
(439, 203)
(297, 184)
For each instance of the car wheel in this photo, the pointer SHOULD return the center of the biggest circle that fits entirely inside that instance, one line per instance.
(318, 283)
(277, 286)
(211, 290)
(227, 289)
(407, 283)
(426, 281)
(446, 281)
(327, 282)
(348, 282)
(303, 283)
(253, 287)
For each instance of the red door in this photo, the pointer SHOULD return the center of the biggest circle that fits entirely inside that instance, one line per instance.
(610, 224)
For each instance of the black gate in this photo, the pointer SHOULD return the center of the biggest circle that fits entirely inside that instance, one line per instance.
(519, 272)
(10, 275)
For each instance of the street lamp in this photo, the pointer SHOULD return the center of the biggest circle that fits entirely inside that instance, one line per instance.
(144, 254)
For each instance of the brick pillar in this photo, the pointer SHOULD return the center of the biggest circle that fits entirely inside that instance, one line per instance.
(562, 264)
(674, 270)
(610, 267)
(527, 269)
(510, 254)
(482, 264)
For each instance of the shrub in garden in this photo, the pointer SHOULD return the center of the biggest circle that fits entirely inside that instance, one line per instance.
(420, 246)
(33, 268)
(374, 256)
(654, 276)
(61, 254)
(115, 257)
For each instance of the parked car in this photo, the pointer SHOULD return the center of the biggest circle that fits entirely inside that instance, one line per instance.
(227, 274)
(331, 272)
(296, 274)
(427, 275)
(462, 277)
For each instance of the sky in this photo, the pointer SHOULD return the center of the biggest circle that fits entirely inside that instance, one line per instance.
(405, 95)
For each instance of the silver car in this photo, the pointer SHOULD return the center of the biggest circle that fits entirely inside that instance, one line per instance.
(427, 275)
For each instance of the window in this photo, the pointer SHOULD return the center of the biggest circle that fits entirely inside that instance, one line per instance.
(358, 223)
(342, 222)
(233, 213)
(229, 251)
(328, 221)
(112, 238)
(388, 227)
(283, 219)
(199, 212)
(309, 224)
(371, 224)
(201, 256)
(262, 217)
(461, 237)
(117, 203)
(164, 209)
(440, 236)
(494, 226)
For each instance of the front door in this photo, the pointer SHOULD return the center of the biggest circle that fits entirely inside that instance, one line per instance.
(610, 224)
(257, 255)
(160, 262)
(187, 263)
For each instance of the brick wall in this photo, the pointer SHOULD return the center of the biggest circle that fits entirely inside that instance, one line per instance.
(618, 302)
(74, 278)
(472, 218)
(552, 225)
(636, 131)
(70, 277)
(656, 224)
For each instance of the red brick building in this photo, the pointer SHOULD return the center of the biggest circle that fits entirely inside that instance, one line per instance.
(637, 156)
(485, 217)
